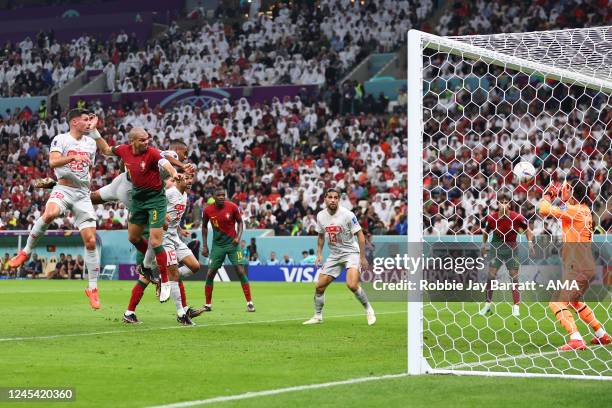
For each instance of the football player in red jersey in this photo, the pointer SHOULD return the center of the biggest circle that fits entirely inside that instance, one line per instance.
(504, 225)
(226, 221)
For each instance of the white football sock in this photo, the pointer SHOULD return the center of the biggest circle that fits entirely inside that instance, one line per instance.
(175, 294)
(319, 301)
(38, 231)
(185, 271)
(575, 336)
(362, 298)
(149, 258)
(92, 263)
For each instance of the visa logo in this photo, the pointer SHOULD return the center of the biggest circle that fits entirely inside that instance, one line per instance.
(300, 273)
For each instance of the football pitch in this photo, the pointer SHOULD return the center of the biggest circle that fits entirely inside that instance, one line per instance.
(49, 337)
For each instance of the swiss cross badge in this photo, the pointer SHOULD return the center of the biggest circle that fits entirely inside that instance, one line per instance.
(227, 216)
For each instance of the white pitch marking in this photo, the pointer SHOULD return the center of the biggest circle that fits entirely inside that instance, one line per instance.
(57, 336)
(254, 394)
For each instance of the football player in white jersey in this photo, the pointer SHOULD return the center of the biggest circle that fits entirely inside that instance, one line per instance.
(347, 250)
(176, 251)
(71, 156)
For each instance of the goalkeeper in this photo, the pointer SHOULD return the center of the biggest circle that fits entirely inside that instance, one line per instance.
(577, 259)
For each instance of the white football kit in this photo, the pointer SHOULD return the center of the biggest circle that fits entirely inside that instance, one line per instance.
(176, 249)
(75, 199)
(340, 230)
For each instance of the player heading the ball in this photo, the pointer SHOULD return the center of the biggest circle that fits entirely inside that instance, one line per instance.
(347, 250)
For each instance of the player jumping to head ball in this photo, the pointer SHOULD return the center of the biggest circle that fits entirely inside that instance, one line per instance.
(347, 249)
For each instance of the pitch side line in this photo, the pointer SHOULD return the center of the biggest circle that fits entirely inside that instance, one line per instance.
(57, 336)
(255, 394)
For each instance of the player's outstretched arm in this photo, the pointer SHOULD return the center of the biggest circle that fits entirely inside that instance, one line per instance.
(169, 168)
(104, 148)
(101, 144)
(547, 209)
(186, 167)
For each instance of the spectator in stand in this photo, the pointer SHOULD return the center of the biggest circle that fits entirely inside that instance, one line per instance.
(61, 268)
(287, 260)
(33, 267)
(254, 259)
(77, 268)
(308, 257)
(273, 260)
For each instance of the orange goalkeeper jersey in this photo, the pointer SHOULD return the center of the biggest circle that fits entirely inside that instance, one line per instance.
(577, 227)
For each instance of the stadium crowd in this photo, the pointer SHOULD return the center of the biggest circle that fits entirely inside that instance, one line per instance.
(275, 160)
(503, 16)
(297, 42)
(563, 131)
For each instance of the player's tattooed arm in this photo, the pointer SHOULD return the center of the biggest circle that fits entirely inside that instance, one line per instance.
(170, 169)
(186, 167)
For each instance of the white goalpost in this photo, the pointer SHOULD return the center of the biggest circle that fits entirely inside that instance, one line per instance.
(477, 105)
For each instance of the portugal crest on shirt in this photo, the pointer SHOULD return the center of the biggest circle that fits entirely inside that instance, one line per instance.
(142, 166)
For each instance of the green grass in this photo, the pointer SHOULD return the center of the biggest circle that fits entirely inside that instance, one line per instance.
(64, 343)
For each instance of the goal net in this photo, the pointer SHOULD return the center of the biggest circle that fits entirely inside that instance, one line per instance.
(477, 106)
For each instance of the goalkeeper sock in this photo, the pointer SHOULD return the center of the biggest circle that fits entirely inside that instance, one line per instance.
(208, 290)
(587, 316)
(137, 293)
(142, 245)
(246, 288)
(362, 298)
(319, 302)
(92, 263)
(38, 231)
(160, 257)
(185, 271)
(182, 290)
(489, 291)
(175, 294)
(565, 318)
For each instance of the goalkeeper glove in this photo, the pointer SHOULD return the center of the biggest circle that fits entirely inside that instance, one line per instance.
(551, 192)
